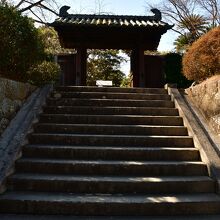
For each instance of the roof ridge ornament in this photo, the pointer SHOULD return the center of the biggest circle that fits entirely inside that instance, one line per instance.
(63, 11)
(157, 14)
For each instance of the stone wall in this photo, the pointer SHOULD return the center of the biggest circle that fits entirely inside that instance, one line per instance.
(206, 96)
(12, 96)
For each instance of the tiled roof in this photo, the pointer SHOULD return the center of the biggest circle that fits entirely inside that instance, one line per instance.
(110, 20)
(101, 20)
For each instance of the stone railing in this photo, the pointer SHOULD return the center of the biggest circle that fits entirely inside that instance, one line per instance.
(12, 96)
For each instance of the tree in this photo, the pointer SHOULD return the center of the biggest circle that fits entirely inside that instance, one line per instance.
(195, 24)
(43, 10)
(192, 18)
(50, 39)
(182, 42)
(20, 44)
(211, 9)
(193, 27)
(104, 65)
(39, 10)
(127, 81)
(25, 54)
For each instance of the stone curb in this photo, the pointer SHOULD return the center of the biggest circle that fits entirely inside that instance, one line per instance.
(14, 135)
(210, 153)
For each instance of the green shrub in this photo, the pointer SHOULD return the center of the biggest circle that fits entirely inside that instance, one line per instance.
(173, 70)
(202, 60)
(50, 39)
(20, 44)
(43, 73)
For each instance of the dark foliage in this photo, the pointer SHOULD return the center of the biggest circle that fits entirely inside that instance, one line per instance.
(173, 70)
(20, 46)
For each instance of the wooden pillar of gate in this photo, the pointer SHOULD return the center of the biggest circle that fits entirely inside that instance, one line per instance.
(81, 66)
(138, 67)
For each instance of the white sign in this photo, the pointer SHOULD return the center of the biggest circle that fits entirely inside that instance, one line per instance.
(101, 83)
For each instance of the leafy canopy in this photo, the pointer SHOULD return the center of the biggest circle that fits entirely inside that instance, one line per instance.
(20, 44)
(104, 65)
(26, 53)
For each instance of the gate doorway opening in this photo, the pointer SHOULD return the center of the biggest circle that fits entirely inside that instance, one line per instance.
(105, 65)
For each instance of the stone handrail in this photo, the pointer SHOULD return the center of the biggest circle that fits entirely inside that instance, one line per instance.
(14, 137)
(209, 151)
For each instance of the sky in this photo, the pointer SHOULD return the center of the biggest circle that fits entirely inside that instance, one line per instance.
(121, 7)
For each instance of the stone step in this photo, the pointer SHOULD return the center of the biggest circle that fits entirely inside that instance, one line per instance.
(109, 205)
(109, 102)
(103, 167)
(111, 119)
(110, 95)
(111, 140)
(73, 217)
(110, 129)
(110, 89)
(110, 184)
(111, 153)
(108, 152)
(111, 110)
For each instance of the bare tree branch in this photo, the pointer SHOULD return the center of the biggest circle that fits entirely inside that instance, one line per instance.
(39, 19)
(31, 6)
(192, 18)
(48, 9)
(39, 10)
(19, 3)
(212, 8)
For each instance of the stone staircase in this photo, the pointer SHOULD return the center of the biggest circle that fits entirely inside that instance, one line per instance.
(110, 152)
